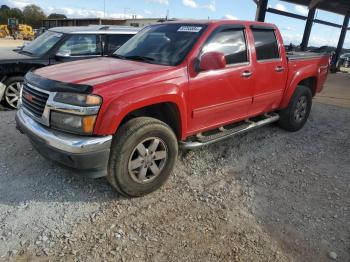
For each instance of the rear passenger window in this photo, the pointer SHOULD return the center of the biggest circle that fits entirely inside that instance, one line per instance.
(265, 44)
(230, 42)
(116, 41)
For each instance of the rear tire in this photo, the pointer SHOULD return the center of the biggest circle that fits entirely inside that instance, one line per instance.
(294, 117)
(143, 154)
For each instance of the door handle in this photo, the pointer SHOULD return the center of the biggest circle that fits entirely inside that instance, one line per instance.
(279, 69)
(246, 74)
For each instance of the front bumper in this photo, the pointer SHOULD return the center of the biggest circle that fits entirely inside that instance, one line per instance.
(84, 154)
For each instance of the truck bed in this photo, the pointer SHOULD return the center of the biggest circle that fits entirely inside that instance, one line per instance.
(304, 55)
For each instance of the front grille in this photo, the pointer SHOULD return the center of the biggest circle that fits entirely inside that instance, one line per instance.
(34, 100)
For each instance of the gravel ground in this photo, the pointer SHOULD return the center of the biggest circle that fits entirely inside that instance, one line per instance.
(9, 42)
(267, 195)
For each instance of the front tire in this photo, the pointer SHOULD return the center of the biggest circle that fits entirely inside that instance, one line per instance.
(294, 117)
(12, 91)
(143, 154)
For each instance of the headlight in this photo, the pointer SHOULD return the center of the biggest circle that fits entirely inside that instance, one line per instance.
(76, 113)
(78, 124)
(78, 99)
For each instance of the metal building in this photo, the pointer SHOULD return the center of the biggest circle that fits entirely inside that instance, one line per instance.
(137, 22)
(341, 7)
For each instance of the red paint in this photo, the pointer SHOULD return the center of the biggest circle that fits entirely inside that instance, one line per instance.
(204, 100)
(212, 61)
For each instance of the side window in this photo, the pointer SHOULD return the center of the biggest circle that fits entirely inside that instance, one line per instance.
(265, 44)
(116, 41)
(230, 42)
(81, 45)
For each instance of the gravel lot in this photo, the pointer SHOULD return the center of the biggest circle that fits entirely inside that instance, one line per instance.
(9, 42)
(268, 195)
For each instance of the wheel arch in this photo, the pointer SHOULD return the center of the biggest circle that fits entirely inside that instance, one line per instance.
(309, 80)
(168, 108)
(166, 112)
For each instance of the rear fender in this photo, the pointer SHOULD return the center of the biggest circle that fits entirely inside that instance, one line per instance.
(295, 79)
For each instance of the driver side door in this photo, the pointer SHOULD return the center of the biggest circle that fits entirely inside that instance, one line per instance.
(221, 96)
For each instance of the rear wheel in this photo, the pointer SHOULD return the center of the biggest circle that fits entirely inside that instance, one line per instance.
(12, 91)
(296, 114)
(143, 155)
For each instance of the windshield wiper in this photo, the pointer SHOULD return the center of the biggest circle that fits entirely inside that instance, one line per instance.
(25, 52)
(140, 58)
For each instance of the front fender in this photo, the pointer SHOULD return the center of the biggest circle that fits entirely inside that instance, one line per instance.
(112, 114)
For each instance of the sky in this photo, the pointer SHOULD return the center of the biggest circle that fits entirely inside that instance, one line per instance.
(291, 29)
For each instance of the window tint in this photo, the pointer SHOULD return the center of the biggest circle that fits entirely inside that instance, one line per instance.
(265, 44)
(80, 45)
(116, 41)
(230, 42)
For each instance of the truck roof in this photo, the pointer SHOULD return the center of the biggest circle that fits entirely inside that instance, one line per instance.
(96, 29)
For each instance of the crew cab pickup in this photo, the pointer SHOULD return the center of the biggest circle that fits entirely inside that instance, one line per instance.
(181, 84)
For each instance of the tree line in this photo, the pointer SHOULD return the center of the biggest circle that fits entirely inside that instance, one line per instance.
(31, 15)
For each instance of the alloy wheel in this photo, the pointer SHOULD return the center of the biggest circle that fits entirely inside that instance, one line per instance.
(301, 109)
(147, 160)
(12, 94)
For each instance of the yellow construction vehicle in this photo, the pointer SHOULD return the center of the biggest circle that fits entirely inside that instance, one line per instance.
(24, 32)
(4, 31)
(20, 31)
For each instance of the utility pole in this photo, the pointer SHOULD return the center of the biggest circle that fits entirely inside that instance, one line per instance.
(104, 8)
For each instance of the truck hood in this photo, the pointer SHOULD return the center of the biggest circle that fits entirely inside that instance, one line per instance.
(8, 54)
(98, 70)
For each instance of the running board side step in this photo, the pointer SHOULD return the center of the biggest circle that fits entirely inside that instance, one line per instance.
(226, 132)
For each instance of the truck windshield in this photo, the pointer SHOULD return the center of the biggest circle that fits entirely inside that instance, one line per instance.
(42, 44)
(164, 44)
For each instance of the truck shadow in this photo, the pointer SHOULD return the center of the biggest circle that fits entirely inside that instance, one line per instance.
(26, 176)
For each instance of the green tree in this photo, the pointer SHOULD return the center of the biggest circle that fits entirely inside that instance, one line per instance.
(6, 12)
(56, 16)
(17, 13)
(4, 7)
(33, 15)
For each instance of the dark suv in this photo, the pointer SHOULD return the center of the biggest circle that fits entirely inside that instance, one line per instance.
(344, 60)
(57, 45)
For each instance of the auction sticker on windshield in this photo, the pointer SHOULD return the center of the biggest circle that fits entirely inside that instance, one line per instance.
(191, 29)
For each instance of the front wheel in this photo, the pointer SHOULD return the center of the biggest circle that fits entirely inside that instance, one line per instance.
(294, 117)
(143, 155)
(13, 90)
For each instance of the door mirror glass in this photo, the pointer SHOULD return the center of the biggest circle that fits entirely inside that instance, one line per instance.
(212, 61)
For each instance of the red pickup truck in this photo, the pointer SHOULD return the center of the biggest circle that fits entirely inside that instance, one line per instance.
(182, 84)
